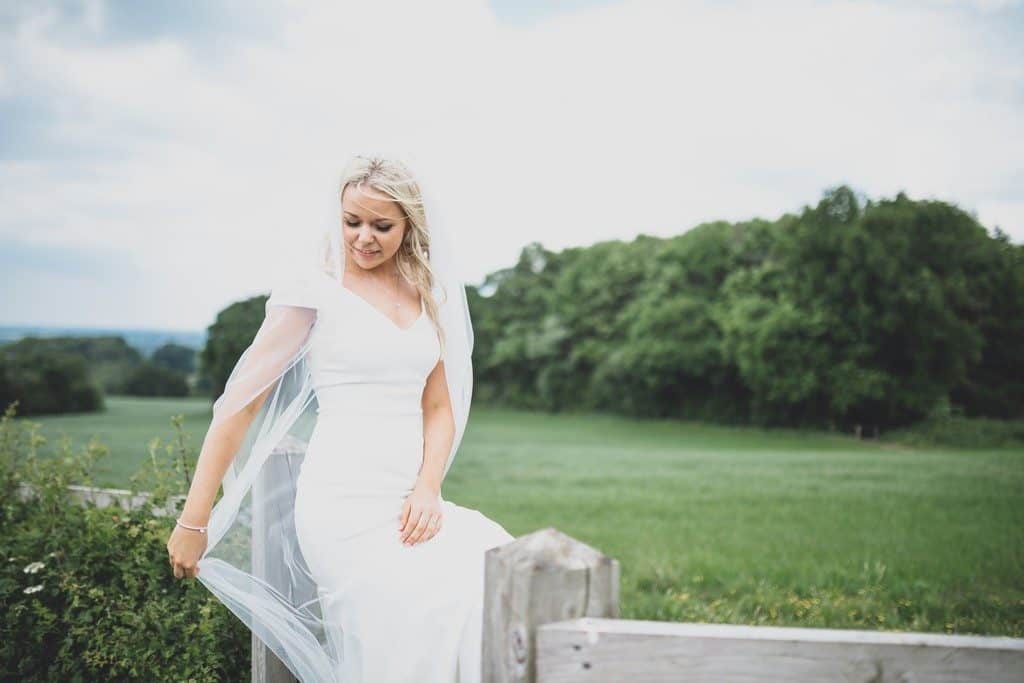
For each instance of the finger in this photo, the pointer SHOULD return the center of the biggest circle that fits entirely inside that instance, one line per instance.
(417, 533)
(403, 517)
(437, 526)
(417, 530)
(431, 529)
(411, 523)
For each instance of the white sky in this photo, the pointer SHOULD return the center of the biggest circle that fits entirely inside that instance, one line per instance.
(157, 164)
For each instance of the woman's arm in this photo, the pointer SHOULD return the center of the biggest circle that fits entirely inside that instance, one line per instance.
(277, 343)
(219, 447)
(279, 339)
(421, 516)
(438, 428)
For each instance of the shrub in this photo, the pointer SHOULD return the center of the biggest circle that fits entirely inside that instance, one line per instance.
(87, 593)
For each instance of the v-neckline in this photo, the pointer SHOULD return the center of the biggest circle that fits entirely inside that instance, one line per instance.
(379, 312)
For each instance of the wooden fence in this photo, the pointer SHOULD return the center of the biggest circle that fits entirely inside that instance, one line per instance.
(551, 615)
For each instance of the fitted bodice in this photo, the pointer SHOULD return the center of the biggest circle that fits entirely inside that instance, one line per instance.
(362, 362)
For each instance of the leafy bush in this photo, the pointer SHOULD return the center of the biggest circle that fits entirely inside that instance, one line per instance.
(87, 593)
(958, 431)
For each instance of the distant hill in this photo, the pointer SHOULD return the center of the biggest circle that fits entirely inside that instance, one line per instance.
(145, 341)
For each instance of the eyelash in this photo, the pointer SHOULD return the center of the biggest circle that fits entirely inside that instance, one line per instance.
(382, 228)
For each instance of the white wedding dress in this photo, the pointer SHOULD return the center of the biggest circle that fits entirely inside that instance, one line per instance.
(395, 613)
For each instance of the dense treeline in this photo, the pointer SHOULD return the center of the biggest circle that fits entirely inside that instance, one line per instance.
(846, 316)
(176, 357)
(45, 381)
(109, 358)
(154, 379)
(69, 374)
(851, 315)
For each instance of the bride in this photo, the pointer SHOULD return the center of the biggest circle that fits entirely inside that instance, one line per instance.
(332, 437)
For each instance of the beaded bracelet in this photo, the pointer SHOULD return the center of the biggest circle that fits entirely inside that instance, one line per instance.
(200, 529)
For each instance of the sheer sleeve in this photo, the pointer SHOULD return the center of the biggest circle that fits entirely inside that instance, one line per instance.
(252, 561)
(295, 290)
(290, 315)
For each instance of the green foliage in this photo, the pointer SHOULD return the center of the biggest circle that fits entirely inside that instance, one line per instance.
(86, 593)
(994, 385)
(150, 379)
(851, 315)
(109, 358)
(45, 380)
(958, 431)
(175, 357)
(891, 284)
(229, 336)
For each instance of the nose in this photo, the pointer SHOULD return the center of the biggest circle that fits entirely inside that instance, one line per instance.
(365, 236)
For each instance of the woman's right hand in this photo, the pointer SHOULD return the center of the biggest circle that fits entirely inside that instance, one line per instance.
(184, 548)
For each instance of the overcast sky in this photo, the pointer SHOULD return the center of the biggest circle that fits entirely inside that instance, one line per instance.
(161, 160)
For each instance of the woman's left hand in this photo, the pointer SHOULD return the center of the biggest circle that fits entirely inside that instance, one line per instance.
(421, 515)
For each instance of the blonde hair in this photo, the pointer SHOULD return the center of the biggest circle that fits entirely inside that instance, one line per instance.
(393, 179)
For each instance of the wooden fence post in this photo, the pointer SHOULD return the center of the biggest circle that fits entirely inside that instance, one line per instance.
(542, 577)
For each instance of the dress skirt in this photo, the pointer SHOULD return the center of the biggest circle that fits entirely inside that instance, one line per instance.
(394, 613)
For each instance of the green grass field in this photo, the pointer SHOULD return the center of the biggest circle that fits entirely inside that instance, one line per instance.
(720, 524)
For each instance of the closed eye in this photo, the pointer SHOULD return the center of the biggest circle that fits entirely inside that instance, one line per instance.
(382, 228)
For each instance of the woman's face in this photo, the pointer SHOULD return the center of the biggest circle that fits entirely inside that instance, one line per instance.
(372, 226)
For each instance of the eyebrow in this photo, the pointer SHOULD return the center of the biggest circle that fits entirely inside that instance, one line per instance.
(375, 220)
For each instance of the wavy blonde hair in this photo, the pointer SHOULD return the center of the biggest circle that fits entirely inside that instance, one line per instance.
(393, 179)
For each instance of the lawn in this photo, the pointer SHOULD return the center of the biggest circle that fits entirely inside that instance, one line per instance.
(723, 524)
(127, 427)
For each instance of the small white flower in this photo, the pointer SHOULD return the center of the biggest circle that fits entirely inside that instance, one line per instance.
(33, 567)
(33, 589)
(53, 554)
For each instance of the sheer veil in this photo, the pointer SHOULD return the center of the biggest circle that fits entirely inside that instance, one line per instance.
(252, 562)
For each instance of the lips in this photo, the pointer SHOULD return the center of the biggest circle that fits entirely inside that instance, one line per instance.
(366, 253)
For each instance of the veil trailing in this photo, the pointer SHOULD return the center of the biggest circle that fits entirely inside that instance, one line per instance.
(252, 562)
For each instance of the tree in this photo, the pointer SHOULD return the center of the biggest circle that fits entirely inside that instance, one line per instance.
(174, 356)
(46, 381)
(227, 338)
(150, 379)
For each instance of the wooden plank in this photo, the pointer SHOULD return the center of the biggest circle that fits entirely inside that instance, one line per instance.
(606, 650)
(541, 577)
